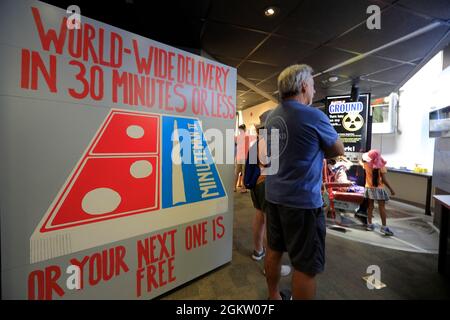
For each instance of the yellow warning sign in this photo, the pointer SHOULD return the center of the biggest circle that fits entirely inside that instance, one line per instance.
(353, 122)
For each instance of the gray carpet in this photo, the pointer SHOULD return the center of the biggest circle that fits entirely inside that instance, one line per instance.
(407, 275)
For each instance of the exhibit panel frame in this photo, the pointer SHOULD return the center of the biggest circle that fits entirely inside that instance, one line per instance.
(352, 120)
(98, 199)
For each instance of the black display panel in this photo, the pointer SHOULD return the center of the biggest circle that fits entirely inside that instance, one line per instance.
(351, 120)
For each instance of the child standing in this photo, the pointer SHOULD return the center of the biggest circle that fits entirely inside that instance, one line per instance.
(375, 168)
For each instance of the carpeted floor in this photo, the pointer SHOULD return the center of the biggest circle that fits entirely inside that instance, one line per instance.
(407, 275)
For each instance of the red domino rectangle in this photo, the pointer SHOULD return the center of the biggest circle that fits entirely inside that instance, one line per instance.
(126, 133)
(127, 177)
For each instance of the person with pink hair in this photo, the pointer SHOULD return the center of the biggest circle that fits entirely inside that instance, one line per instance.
(375, 168)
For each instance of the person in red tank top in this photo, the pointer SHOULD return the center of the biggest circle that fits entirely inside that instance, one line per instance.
(242, 141)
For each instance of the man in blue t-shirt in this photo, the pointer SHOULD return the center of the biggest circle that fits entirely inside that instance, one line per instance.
(295, 221)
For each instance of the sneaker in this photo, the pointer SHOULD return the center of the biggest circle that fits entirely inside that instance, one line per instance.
(258, 255)
(285, 270)
(370, 227)
(386, 231)
(286, 295)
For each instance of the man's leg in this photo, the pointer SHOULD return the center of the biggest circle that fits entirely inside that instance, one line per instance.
(243, 189)
(237, 171)
(305, 232)
(303, 286)
(272, 265)
(258, 231)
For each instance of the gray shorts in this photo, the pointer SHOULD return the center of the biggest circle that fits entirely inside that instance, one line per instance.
(300, 232)
(258, 194)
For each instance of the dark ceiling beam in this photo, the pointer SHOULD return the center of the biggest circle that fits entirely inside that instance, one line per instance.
(222, 58)
(253, 87)
(358, 56)
(263, 63)
(340, 83)
(238, 26)
(320, 46)
(382, 70)
(204, 21)
(425, 59)
(270, 34)
(254, 50)
(390, 5)
(245, 82)
(257, 47)
(262, 81)
(376, 55)
(395, 60)
(411, 35)
(378, 81)
(414, 12)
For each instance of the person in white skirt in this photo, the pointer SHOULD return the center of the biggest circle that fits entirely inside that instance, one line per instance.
(375, 168)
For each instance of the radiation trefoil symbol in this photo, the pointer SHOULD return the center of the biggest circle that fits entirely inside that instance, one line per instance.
(126, 184)
(353, 122)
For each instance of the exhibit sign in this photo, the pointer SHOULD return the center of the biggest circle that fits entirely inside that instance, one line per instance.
(351, 120)
(109, 188)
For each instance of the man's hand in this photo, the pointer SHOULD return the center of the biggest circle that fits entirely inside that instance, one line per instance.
(337, 149)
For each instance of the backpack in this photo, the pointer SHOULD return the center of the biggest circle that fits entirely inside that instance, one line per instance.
(252, 170)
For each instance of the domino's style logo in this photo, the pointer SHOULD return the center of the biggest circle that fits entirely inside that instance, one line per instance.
(136, 176)
(118, 176)
(190, 174)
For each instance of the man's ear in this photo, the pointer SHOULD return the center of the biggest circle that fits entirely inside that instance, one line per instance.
(303, 87)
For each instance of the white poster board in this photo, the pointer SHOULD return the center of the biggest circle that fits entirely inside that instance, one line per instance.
(92, 204)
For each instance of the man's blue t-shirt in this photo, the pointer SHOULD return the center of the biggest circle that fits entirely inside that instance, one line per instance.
(304, 132)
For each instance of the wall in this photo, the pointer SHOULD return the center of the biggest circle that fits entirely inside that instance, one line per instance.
(86, 175)
(251, 115)
(411, 144)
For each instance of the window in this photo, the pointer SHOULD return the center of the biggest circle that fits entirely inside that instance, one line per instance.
(384, 114)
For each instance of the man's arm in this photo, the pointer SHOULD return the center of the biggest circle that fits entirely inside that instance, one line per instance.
(327, 135)
(262, 151)
(337, 149)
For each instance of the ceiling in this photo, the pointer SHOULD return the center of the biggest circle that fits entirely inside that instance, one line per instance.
(322, 34)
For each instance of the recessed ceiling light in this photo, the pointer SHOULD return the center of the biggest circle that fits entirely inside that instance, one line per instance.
(270, 11)
(333, 79)
(243, 100)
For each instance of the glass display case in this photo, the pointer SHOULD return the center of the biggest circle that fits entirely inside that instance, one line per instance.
(440, 122)
(384, 114)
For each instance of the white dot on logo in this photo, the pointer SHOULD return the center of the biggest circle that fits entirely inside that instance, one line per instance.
(100, 201)
(135, 132)
(141, 169)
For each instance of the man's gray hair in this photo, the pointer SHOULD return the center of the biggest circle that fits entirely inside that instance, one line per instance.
(291, 78)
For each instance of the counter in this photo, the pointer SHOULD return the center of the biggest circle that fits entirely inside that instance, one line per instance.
(444, 202)
(401, 181)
